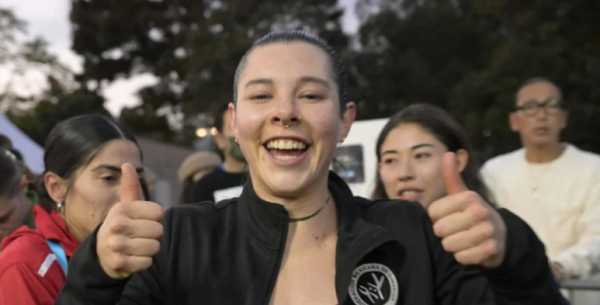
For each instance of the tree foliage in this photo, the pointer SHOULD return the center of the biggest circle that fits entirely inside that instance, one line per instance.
(192, 47)
(471, 56)
(37, 110)
(466, 56)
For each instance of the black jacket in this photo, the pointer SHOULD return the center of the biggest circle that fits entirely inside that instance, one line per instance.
(230, 253)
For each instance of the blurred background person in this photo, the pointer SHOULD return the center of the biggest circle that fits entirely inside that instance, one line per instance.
(15, 206)
(83, 156)
(552, 185)
(227, 179)
(192, 169)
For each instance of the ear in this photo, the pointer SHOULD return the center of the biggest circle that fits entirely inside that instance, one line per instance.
(347, 119)
(462, 157)
(565, 119)
(55, 186)
(24, 184)
(514, 121)
(220, 140)
(232, 121)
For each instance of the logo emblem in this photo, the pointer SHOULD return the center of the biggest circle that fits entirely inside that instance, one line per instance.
(373, 284)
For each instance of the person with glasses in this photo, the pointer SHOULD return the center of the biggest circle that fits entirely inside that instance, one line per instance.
(552, 185)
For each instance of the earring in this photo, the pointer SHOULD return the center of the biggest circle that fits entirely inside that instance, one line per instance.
(236, 141)
(59, 205)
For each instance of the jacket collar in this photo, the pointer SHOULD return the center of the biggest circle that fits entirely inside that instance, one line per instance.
(265, 221)
(52, 226)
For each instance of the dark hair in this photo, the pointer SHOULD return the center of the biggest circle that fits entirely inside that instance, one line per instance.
(219, 116)
(17, 154)
(11, 176)
(446, 130)
(290, 36)
(145, 189)
(187, 190)
(74, 143)
(540, 79)
(5, 142)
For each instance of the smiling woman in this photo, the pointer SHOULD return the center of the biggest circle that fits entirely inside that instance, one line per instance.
(83, 156)
(297, 235)
(410, 149)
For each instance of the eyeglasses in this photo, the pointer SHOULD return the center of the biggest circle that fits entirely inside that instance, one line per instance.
(551, 106)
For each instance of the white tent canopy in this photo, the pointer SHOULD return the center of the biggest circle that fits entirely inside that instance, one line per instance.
(33, 154)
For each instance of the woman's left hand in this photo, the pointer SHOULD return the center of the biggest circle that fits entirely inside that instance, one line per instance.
(470, 228)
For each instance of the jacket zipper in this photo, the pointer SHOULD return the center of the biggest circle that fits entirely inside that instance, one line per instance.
(280, 252)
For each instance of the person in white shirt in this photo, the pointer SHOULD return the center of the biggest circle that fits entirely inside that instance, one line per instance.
(553, 186)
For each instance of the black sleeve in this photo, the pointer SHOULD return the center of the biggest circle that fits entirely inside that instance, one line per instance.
(524, 277)
(203, 190)
(88, 284)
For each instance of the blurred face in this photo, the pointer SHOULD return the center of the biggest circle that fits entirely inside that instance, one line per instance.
(279, 84)
(96, 187)
(410, 167)
(14, 211)
(539, 119)
(222, 138)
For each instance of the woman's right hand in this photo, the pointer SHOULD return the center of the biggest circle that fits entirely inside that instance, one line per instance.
(128, 238)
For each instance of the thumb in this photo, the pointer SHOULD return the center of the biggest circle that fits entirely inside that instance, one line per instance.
(130, 183)
(452, 179)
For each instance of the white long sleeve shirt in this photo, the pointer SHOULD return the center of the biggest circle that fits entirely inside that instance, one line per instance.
(560, 200)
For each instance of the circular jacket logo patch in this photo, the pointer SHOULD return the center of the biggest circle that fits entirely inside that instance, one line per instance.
(373, 284)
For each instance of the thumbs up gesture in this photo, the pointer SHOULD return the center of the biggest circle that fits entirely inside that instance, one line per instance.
(128, 238)
(470, 228)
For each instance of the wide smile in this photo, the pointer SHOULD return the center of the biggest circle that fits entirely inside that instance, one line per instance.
(410, 194)
(286, 151)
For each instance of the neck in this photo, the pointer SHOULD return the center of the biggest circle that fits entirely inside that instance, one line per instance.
(73, 229)
(303, 203)
(233, 166)
(544, 154)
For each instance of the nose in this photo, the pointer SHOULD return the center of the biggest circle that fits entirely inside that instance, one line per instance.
(405, 171)
(286, 113)
(542, 114)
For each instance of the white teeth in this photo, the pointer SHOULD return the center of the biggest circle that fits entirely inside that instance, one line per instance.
(409, 193)
(284, 157)
(286, 144)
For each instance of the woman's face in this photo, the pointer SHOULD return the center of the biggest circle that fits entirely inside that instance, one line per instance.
(97, 187)
(410, 167)
(279, 82)
(14, 211)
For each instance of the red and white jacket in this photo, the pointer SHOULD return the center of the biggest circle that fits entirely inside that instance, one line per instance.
(30, 273)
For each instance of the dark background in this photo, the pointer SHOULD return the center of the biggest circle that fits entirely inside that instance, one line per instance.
(468, 57)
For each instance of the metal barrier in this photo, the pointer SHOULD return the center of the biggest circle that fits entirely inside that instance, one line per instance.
(581, 284)
(586, 285)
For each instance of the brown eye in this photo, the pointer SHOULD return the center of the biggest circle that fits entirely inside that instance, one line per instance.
(259, 97)
(110, 178)
(422, 155)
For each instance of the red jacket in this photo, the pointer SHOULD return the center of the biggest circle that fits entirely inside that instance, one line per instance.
(29, 272)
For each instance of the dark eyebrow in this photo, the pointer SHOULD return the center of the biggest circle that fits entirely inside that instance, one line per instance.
(114, 168)
(313, 79)
(421, 146)
(414, 147)
(259, 81)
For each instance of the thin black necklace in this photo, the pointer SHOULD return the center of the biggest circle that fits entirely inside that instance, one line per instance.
(313, 214)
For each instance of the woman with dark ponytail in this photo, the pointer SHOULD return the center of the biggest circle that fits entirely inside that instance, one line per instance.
(81, 181)
(15, 207)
